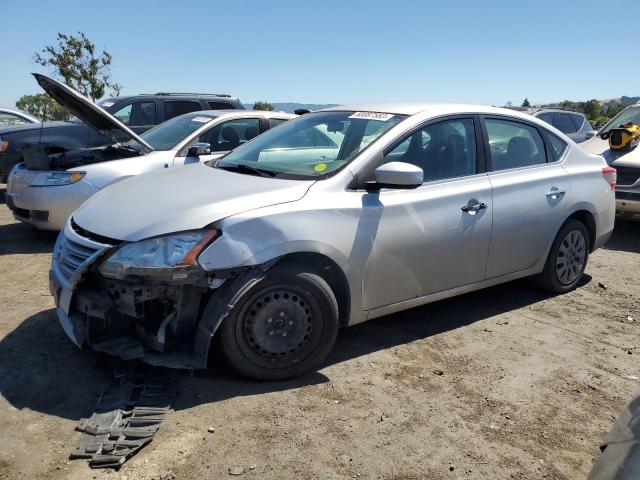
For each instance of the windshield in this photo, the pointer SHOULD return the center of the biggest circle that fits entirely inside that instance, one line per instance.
(170, 133)
(313, 145)
(629, 114)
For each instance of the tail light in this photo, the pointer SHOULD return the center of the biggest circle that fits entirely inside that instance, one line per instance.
(609, 174)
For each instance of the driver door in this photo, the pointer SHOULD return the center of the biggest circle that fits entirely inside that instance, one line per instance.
(224, 137)
(427, 240)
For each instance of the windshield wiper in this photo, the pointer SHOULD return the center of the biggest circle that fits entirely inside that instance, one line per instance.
(243, 168)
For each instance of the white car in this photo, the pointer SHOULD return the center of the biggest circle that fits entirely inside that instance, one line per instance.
(46, 189)
(626, 162)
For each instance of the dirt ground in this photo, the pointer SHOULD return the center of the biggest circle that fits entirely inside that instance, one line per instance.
(508, 382)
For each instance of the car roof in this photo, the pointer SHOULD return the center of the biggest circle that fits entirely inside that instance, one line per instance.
(413, 108)
(175, 96)
(243, 113)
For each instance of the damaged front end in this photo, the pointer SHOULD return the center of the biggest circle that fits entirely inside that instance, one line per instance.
(147, 300)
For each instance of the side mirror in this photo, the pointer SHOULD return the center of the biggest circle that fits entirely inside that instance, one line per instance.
(590, 134)
(397, 175)
(198, 149)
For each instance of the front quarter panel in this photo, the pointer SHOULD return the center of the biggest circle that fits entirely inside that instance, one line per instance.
(330, 225)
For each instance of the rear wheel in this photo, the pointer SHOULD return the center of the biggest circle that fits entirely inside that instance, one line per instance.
(567, 258)
(282, 327)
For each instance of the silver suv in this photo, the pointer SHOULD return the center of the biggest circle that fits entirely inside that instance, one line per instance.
(328, 220)
(573, 124)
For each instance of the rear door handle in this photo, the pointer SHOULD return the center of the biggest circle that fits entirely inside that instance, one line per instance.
(472, 208)
(554, 193)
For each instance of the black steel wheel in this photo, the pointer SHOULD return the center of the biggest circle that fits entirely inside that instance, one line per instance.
(284, 326)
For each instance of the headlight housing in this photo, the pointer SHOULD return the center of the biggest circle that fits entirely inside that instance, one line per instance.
(52, 179)
(158, 255)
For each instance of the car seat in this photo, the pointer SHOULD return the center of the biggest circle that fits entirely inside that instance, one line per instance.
(250, 132)
(230, 137)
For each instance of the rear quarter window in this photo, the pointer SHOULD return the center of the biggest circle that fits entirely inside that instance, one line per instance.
(558, 145)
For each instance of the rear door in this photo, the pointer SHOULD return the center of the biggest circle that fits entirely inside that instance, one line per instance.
(530, 190)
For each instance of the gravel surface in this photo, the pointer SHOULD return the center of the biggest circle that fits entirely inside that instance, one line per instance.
(507, 382)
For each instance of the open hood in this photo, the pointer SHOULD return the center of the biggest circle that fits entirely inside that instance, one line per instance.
(180, 199)
(88, 112)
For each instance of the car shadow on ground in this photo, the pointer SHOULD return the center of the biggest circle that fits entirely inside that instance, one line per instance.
(40, 369)
(626, 237)
(20, 238)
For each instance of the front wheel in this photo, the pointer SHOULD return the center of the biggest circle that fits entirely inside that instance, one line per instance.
(282, 327)
(567, 258)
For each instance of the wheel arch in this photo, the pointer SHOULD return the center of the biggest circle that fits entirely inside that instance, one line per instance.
(589, 221)
(331, 272)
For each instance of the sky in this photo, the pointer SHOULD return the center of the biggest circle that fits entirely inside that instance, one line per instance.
(340, 51)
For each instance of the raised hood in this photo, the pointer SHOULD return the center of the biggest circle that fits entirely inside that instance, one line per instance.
(175, 200)
(88, 112)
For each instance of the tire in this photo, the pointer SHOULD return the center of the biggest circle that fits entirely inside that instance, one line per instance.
(282, 327)
(567, 258)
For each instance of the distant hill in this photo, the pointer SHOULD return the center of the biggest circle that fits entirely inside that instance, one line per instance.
(290, 107)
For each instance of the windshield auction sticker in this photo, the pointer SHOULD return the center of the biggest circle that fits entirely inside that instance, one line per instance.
(383, 117)
(200, 119)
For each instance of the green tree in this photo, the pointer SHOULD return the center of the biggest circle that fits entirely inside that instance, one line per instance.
(260, 105)
(42, 106)
(592, 109)
(75, 60)
(525, 103)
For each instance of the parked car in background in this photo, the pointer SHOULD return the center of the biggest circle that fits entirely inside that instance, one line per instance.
(573, 124)
(138, 112)
(273, 247)
(47, 188)
(11, 116)
(620, 457)
(626, 162)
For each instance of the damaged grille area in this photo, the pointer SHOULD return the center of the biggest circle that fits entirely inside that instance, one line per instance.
(71, 255)
(134, 317)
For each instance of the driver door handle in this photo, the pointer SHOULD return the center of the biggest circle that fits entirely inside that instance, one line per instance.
(554, 193)
(474, 207)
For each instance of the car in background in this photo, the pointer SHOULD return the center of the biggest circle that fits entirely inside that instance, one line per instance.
(267, 251)
(626, 162)
(620, 457)
(11, 116)
(138, 112)
(574, 125)
(47, 188)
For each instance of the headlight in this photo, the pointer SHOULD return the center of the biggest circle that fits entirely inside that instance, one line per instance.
(50, 179)
(173, 252)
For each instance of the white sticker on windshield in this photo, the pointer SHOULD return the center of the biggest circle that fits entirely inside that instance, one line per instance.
(107, 104)
(383, 117)
(200, 119)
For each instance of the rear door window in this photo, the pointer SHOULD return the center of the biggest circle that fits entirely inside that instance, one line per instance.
(173, 108)
(137, 114)
(565, 124)
(514, 144)
(546, 117)
(220, 106)
(578, 120)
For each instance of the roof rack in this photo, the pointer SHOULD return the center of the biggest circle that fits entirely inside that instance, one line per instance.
(225, 95)
(555, 108)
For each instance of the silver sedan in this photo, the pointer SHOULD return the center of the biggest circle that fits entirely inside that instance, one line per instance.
(289, 237)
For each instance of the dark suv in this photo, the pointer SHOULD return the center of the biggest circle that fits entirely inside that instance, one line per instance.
(138, 112)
